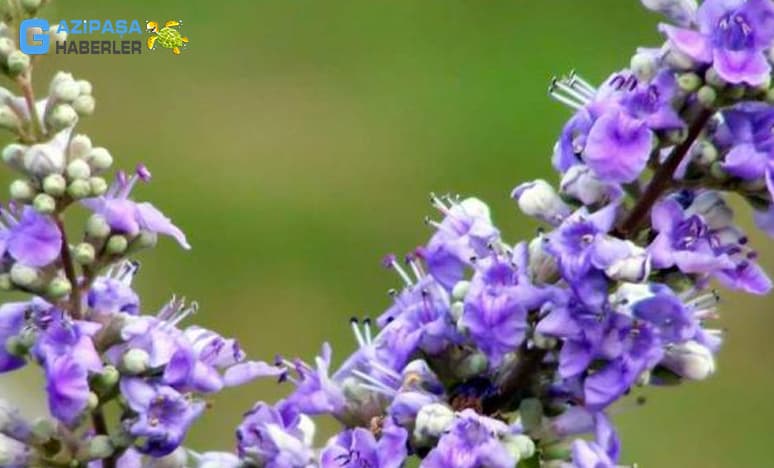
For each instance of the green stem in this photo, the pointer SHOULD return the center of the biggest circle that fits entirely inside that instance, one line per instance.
(25, 84)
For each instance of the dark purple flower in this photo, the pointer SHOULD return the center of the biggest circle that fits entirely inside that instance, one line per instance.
(471, 441)
(358, 448)
(278, 436)
(11, 323)
(32, 239)
(129, 217)
(162, 415)
(733, 36)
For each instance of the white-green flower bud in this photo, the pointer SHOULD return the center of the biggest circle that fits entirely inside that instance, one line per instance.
(84, 105)
(99, 447)
(62, 116)
(456, 310)
(689, 82)
(79, 189)
(55, 185)
(432, 421)
(55, 35)
(97, 227)
(21, 190)
(714, 79)
(98, 186)
(80, 146)
(135, 361)
(460, 290)
(473, 365)
(25, 276)
(100, 159)
(717, 171)
(44, 203)
(85, 87)
(6, 46)
(145, 240)
(770, 94)
(66, 90)
(107, 379)
(116, 245)
(58, 287)
(13, 155)
(678, 60)
(544, 342)
(58, 78)
(31, 6)
(708, 154)
(44, 159)
(690, 360)
(9, 120)
(78, 169)
(15, 347)
(706, 95)
(18, 62)
(520, 446)
(644, 65)
(5, 282)
(84, 253)
(43, 429)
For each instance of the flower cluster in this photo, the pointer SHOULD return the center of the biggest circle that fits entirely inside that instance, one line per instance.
(495, 354)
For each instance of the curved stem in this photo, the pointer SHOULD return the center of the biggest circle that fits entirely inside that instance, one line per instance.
(69, 269)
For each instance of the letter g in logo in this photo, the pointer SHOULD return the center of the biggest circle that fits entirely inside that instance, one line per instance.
(31, 48)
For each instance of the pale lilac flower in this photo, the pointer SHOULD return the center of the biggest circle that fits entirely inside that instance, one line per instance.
(28, 237)
(358, 447)
(278, 436)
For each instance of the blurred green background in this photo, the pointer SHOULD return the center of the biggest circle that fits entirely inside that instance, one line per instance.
(296, 143)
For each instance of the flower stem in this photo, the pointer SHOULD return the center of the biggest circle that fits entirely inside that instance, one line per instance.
(662, 179)
(69, 268)
(25, 83)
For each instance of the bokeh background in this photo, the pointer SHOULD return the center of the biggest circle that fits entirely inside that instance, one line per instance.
(296, 142)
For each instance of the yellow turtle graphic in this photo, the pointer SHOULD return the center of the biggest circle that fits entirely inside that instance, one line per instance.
(167, 37)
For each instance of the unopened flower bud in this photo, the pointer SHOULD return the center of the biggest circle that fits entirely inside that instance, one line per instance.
(678, 60)
(97, 227)
(521, 447)
(689, 82)
(540, 200)
(84, 253)
(5, 282)
(58, 287)
(135, 361)
(473, 365)
(66, 90)
(690, 360)
(78, 169)
(98, 447)
(62, 116)
(31, 6)
(84, 105)
(21, 190)
(43, 429)
(581, 183)
(116, 245)
(44, 203)
(6, 47)
(80, 146)
(456, 310)
(13, 155)
(55, 35)
(632, 263)
(55, 185)
(708, 153)
(714, 79)
(107, 379)
(98, 186)
(79, 189)
(460, 290)
(44, 159)
(85, 87)
(644, 65)
(144, 240)
(432, 420)
(18, 62)
(706, 95)
(25, 276)
(99, 159)
(9, 120)
(542, 266)
(717, 171)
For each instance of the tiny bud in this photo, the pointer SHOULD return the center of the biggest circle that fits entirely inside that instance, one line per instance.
(713, 78)
(678, 60)
(43, 429)
(717, 171)
(706, 96)
(107, 379)
(58, 287)
(6, 46)
(15, 347)
(44, 203)
(644, 65)
(145, 240)
(5, 282)
(116, 245)
(99, 159)
(31, 6)
(79, 189)
(544, 342)
(44, 159)
(56, 36)
(709, 154)
(80, 146)
(460, 290)
(473, 365)
(689, 82)
(97, 227)
(21, 190)
(78, 169)
(456, 310)
(690, 360)
(84, 105)
(85, 87)
(9, 120)
(66, 90)
(84, 253)
(92, 401)
(135, 361)
(13, 155)
(98, 186)
(55, 185)
(770, 96)
(24, 276)
(674, 136)
(519, 445)
(62, 116)
(539, 199)
(432, 420)
(18, 62)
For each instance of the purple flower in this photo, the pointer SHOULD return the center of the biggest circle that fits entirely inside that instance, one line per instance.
(276, 437)
(11, 323)
(589, 454)
(129, 217)
(733, 36)
(618, 146)
(316, 392)
(67, 387)
(471, 441)
(112, 293)
(465, 232)
(577, 420)
(162, 415)
(33, 240)
(358, 447)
